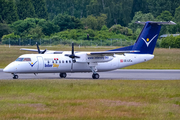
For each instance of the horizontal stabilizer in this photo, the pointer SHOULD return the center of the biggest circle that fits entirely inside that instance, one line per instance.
(159, 23)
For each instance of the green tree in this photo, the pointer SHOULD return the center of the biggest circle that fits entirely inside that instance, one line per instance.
(139, 16)
(22, 27)
(177, 15)
(12, 38)
(40, 8)
(25, 9)
(126, 12)
(168, 42)
(177, 42)
(2, 10)
(165, 16)
(101, 21)
(93, 22)
(4, 30)
(139, 5)
(94, 8)
(8, 11)
(35, 33)
(12, 12)
(67, 22)
(156, 7)
(104, 28)
(122, 30)
(48, 27)
(90, 22)
(174, 29)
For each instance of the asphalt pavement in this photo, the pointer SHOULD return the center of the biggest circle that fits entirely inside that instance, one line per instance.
(120, 74)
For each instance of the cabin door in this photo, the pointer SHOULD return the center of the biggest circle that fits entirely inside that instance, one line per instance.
(40, 63)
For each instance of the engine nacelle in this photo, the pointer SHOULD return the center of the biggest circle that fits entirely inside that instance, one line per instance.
(92, 58)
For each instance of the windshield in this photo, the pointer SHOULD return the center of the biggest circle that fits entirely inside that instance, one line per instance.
(23, 59)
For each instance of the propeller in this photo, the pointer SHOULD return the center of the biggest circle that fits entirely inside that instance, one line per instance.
(39, 49)
(73, 56)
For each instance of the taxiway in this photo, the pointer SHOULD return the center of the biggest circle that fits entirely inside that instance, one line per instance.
(120, 74)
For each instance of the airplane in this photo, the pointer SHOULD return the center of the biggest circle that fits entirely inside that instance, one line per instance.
(64, 62)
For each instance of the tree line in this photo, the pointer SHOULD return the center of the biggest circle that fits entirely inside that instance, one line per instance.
(34, 19)
(117, 11)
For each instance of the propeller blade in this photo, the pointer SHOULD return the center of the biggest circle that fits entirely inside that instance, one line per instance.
(72, 48)
(76, 56)
(38, 48)
(43, 51)
(72, 53)
(67, 55)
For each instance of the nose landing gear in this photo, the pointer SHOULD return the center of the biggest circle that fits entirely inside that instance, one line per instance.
(15, 76)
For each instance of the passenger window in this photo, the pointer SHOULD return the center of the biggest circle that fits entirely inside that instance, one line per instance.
(56, 61)
(63, 61)
(66, 61)
(52, 61)
(59, 61)
(48, 62)
(69, 61)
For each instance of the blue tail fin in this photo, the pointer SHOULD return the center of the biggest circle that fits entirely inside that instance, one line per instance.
(147, 39)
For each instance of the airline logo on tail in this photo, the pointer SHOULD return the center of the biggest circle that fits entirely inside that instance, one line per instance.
(147, 41)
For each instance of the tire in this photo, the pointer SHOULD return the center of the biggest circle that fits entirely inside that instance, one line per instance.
(15, 77)
(95, 76)
(63, 75)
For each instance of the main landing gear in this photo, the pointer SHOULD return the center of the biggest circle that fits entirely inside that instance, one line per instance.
(15, 76)
(95, 75)
(62, 75)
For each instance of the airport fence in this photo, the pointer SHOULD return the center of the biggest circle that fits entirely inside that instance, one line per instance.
(67, 42)
(49, 42)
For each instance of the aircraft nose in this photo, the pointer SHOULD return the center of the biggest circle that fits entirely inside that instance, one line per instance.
(5, 69)
(9, 68)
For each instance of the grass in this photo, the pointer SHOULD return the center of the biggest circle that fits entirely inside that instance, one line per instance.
(89, 99)
(164, 58)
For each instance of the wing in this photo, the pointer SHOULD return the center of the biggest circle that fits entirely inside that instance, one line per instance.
(111, 52)
(47, 51)
(32, 50)
(97, 57)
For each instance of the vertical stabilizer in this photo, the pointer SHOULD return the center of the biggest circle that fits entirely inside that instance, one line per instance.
(147, 39)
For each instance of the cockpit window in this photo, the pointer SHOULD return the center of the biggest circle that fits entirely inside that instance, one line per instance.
(19, 59)
(27, 59)
(23, 59)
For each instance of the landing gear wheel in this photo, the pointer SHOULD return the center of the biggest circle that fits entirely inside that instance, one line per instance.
(95, 76)
(63, 75)
(15, 77)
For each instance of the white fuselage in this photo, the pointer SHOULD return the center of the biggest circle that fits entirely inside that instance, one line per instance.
(58, 63)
